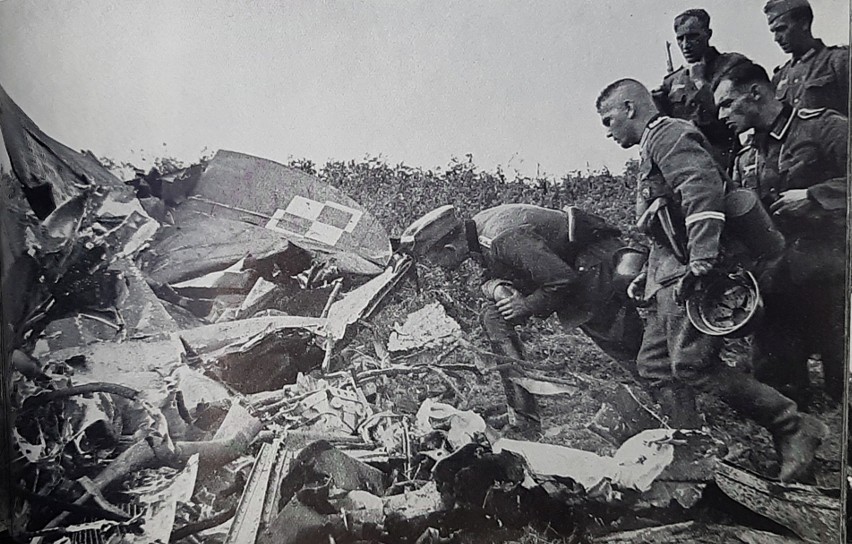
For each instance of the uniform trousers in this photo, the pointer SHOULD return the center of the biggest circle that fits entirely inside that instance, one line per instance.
(674, 352)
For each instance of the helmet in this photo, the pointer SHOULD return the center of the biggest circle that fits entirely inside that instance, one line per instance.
(727, 304)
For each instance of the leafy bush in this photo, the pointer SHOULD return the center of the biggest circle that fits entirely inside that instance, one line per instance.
(398, 194)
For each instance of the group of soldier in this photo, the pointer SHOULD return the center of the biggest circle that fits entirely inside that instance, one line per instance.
(716, 125)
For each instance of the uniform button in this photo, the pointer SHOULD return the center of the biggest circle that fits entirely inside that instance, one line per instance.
(795, 100)
(796, 80)
(646, 192)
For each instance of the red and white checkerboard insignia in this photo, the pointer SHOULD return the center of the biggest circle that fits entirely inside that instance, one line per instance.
(323, 222)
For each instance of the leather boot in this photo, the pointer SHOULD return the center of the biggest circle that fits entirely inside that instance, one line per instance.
(677, 402)
(797, 445)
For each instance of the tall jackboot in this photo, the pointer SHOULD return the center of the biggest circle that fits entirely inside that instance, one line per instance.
(677, 402)
(522, 406)
(797, 437)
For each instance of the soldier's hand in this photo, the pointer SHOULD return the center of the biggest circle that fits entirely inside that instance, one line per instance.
(701, 267)
(513, 308)
(685, 286)
(636, 289)
(791, 202)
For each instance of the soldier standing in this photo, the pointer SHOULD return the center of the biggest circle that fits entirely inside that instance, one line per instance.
(685, 93)
(797, 165)
(816, 76)
(545, 261)
(681, 206)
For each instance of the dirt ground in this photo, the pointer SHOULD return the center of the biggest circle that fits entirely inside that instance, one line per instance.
(558, 353)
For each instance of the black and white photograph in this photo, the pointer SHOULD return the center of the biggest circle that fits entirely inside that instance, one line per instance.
(424, 272)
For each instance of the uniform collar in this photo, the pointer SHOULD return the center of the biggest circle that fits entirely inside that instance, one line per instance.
(712, 55)
(819, 45)
(652, 124)
(472, 236)
(782, 123)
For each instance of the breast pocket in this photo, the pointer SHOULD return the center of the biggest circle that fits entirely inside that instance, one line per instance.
(822, 92)
(799, 167)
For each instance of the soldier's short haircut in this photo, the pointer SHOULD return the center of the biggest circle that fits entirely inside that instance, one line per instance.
(617, 86)
(702, 16)
(743, 74)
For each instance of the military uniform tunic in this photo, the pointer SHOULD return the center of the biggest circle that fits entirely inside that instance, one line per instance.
(681, 97)
(818, 79)
(676, 164)
(805, 149)
(562, 263)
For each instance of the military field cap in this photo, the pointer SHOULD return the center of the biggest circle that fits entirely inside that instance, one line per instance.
(776, 8)
(428, 230)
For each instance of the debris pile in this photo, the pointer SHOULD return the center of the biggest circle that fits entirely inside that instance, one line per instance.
(193, 361)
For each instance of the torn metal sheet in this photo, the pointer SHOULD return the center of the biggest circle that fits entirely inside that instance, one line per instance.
(428, 328)
(637, 465)
(209, 338)
(461, 426)
(159, 499)
(196, 387)
(813, 513)
(362, 301)
(543, 388)
(293, 204)
(204, 245)
(249, 519)
(584, 467)
(20, 295)
(268, 360)
(262, 296)
(234, 279)
(40, 161)
(137, 313)
(138, 364)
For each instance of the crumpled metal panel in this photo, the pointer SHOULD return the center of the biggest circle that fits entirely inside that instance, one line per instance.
(288, 201)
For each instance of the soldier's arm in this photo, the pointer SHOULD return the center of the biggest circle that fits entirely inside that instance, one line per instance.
(523, 251)
(691, 171)
(831, 194)
(840, 64)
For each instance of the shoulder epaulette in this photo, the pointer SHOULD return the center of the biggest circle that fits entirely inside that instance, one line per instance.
(810, 113)
(746, 148)
(658, 121)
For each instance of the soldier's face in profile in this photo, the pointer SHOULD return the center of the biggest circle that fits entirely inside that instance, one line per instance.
(788, 33)
(737, 107)
(448, 255)
(615, 116)
(693, 38)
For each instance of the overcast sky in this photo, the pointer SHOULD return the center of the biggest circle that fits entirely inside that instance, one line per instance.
(512, 82)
